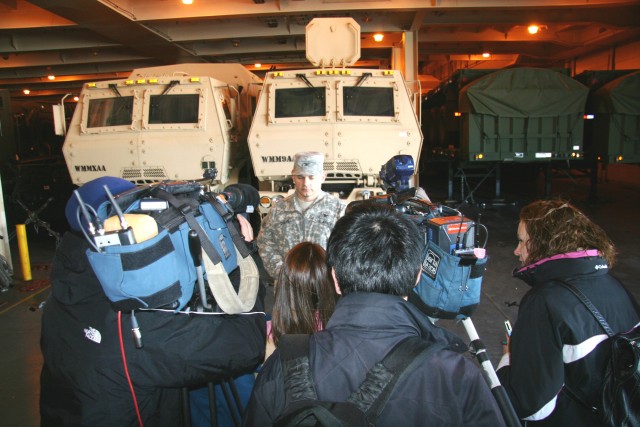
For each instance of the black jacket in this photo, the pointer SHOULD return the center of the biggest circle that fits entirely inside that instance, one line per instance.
(448, 391)
(83, 380)
(556, 342)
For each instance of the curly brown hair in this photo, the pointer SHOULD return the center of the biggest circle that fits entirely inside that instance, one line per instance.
(305, 296)
(556, 227)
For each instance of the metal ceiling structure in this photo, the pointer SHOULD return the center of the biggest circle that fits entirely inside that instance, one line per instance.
(87, 40)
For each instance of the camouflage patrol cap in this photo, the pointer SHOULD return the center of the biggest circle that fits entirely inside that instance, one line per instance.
(308, 163)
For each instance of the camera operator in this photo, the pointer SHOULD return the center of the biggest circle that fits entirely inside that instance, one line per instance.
(94, 374)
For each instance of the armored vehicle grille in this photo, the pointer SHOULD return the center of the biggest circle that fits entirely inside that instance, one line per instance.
(343, 169)
(131, 174)
(154, 174)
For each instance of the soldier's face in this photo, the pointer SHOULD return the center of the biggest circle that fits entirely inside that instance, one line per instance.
(308, 187)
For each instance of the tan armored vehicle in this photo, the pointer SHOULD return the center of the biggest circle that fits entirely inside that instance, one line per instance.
(189, 121)
(175, 122)
(359, 118)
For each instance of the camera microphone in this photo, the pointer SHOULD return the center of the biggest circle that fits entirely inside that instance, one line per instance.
(85, 212)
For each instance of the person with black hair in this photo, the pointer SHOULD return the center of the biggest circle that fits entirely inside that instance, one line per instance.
(374, 255)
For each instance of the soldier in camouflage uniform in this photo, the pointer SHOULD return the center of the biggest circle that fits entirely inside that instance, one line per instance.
(308, 214)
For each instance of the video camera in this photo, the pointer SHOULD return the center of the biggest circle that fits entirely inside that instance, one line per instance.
(452, 260)
(445, 226)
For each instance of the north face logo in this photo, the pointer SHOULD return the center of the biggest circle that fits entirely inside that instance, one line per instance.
(93, 334)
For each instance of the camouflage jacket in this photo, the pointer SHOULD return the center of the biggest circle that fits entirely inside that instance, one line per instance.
(286, 225)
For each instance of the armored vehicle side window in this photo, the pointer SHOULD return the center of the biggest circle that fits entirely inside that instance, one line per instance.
(226, 109)
(110, 112)
(368, 101)
(300, 102)
(173, 109)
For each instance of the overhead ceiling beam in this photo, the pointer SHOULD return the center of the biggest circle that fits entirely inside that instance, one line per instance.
(417, 20)
(10, 4)
(93, 39)
(105, 21)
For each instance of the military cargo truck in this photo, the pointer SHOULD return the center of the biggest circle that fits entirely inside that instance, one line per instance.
(521, 114)
(358, 118)
(612, 125)
(482, 119)
(441, 115)
(174, 122)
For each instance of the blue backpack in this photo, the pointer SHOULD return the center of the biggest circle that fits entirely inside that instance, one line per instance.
(162, 272)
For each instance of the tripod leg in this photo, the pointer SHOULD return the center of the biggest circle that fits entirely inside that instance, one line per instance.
(499, 393)
(230, 402)
(236, 396)
(186, 407)
(213, 411)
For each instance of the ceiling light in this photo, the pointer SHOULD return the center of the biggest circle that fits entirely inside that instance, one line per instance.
(26, 91)
(51, 77)
(258, 65)
(76, 98)
(187, 1)
(533, 29)
(378, 37)
(486, 55)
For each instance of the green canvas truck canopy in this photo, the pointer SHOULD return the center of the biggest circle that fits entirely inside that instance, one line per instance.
(524, 92)
(621, 95)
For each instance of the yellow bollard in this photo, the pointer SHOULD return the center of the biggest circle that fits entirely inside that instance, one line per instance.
(23, 248)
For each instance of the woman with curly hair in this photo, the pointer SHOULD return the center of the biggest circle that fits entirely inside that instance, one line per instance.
(554, 364)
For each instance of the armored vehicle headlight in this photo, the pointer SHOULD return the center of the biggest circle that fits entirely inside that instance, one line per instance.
(265, 202)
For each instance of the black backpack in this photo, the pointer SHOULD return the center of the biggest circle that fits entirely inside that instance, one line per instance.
(619, 404)
(365, 404)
